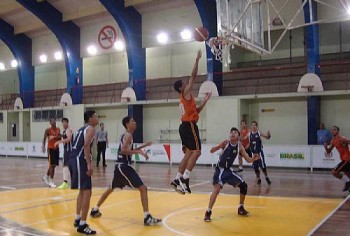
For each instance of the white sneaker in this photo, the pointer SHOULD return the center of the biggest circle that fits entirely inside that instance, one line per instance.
(52, 185)
(45, 179)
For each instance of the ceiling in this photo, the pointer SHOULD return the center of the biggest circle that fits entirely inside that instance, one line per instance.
(81, 12)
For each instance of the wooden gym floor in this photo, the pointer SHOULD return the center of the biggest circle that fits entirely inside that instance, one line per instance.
(297, 203)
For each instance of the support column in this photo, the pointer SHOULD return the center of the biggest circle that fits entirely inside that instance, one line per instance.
(130, 23)
(313, 61)
(207, 12)
(68, 34)
(21, 47)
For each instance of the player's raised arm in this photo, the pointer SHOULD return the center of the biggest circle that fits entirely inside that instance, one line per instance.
(188, 87)
(219, 146)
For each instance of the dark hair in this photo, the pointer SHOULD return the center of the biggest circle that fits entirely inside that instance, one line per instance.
(88, 115)
(235, 129)
(126, 120)
(52, 119)
(254, 122)
(336, 127)
(65, 119)
(101, 124)
(178, 85)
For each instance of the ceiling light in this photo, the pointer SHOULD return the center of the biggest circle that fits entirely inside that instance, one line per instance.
(14, 63)
(119, 45)
(58, 55)
(162, 38)
(43, 58)
(186, 34)
(92, 50)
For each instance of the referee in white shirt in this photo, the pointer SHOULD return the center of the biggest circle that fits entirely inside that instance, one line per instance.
(102, 144)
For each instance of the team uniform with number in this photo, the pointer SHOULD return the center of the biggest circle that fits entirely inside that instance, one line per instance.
(257, 148)
(77, 162)
(224, 173)
(124, 173)
(188, 129)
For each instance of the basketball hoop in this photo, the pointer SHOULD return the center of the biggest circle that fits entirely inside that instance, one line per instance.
(220, 47)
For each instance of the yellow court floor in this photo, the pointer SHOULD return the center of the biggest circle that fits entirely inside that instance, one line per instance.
(51, 211)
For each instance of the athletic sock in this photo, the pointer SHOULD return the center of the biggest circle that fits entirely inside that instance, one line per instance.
(346, 178)
(178, 175)
(82, 222)
(77, 217)
(146, 213)
(241, 205)
(209, 209)
(240, 167)
(96, 208)
(187, 174)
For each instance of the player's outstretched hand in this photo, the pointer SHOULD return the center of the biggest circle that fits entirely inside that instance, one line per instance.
(256, 157)
(144, 154)
(148, 144)
(207, 96)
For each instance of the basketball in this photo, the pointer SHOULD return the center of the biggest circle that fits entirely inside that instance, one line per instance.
(201, 34)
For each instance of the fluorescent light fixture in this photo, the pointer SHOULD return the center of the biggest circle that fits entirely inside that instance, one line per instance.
(162, 38)
(43, 58)
(92, 50)
(119, 45)
(186, 34)
(58, 55)
(14, 63)
(2, 66)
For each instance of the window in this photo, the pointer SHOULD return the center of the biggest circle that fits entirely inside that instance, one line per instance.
(46, 115)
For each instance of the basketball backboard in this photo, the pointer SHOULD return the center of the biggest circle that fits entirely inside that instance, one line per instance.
(248, 23)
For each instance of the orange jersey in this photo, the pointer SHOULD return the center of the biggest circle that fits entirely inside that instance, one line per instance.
(188, 109)
(244, 133)
(53, 132)
(342, 148)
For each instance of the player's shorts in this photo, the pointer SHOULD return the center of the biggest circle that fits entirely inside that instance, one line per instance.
(66, 155)
(190, 136)
(226, 176)
(78, 169)
(261, 162)
(53, 156)
(343, 166)
(125, 175)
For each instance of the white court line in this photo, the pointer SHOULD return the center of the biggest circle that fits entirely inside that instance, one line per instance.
(7, 230)
(192, 209)
(328, 216)
(7, 187)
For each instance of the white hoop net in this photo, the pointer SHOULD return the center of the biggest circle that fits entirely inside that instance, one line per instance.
(220, 47)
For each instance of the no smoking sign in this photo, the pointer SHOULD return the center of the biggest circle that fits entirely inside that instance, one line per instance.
(107, 37)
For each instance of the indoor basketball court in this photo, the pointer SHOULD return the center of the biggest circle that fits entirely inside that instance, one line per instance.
(297, 203)
(281, 66)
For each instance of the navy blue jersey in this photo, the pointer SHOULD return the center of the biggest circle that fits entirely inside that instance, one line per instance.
(78, 143)
(255, 142)
(122, 158)
(228, 155)
(67, 146)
